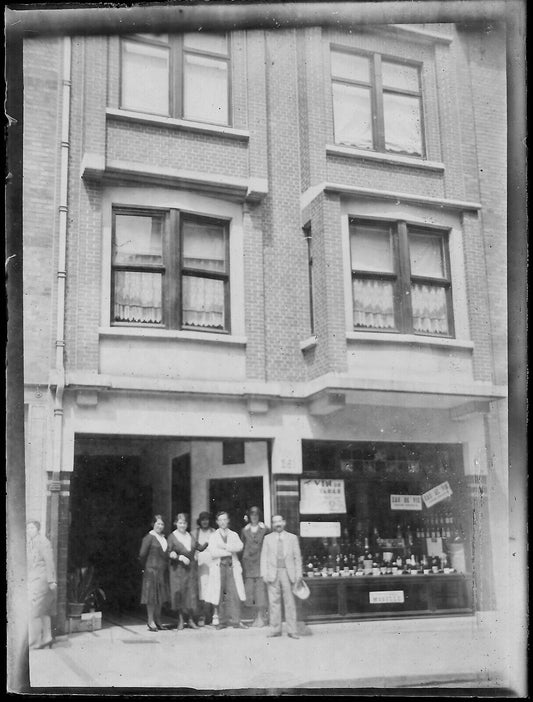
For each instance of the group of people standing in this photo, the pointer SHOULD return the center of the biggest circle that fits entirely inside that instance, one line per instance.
(201, 577)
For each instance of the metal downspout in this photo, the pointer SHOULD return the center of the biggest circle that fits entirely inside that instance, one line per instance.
(55, 484)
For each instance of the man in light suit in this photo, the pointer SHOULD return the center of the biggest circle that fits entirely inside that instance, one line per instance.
(281, 568)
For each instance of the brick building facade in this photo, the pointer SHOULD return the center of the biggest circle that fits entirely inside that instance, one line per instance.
(292, 363)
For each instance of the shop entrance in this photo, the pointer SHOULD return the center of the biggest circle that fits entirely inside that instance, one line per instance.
(110, 512)
(119, 483)
(235, 495)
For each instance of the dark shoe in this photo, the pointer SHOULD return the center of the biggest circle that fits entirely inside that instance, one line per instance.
(46, 644)
(221, 626)
(240, 625)
(273, 636)
(293, 636)
(152, 628)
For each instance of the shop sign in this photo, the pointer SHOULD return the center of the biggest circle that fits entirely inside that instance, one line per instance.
(409, 502)
(320, 529)
(386, 596)
(322, 496)
(437, 494)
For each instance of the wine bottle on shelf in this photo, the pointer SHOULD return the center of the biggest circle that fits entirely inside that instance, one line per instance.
(409, 537)
(425, 562)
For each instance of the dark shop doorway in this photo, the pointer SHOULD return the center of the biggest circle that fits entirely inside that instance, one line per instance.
(235, 495)
(110, 511)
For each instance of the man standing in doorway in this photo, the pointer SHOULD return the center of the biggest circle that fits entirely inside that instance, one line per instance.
(252, 537)
(226, 588)
(281, 568)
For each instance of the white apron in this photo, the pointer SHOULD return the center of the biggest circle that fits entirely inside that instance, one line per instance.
(216, 549)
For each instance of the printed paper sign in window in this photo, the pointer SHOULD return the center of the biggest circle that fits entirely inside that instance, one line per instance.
(322, 496)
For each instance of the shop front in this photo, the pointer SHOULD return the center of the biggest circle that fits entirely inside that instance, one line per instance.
(384, 530)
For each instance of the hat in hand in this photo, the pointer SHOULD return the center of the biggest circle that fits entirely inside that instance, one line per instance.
(301, 590)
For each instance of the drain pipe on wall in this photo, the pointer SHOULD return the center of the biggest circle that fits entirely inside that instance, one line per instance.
(55, 483)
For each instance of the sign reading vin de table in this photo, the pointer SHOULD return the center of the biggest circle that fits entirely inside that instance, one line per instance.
(409, 502)
(386, 597)
(322, 496)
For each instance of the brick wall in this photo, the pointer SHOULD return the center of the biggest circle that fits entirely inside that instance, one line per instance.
(285, 251)
(380, 176)
(169, 148)
(287, 109)
(42, 136)
(486, 57)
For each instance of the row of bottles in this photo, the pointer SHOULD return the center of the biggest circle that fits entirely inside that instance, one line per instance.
(374, 564)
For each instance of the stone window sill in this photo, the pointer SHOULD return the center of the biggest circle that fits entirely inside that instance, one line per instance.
(172, 334)
(181, 124)
(378, 156)
(384, 337)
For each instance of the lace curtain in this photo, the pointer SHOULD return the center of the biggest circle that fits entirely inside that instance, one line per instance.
(203, 302)
(137, 297)
(430, 311)
(373, 304)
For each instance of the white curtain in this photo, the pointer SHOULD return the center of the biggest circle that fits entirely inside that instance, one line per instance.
(430, 313)
(373, 304)
(403, 128)
(137, 297)
(203, 302)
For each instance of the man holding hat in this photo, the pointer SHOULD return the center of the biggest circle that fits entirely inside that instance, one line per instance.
(281, 569)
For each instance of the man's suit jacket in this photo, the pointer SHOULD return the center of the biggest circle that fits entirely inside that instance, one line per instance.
(291, 556)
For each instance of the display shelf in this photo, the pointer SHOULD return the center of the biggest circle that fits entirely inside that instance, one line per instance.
(350, 597)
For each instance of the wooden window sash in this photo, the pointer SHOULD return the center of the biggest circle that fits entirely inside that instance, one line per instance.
(377, 91)
(176, 68)
(223, 276)
(172, 269)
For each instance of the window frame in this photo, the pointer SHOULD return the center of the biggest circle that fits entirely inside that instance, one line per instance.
(401, 275)
(176, 67)
(377, 91)
(172, 268)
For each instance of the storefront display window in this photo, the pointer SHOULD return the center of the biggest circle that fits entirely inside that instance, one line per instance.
(382, 509)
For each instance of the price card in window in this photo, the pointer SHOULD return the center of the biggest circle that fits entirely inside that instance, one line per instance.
(320, 529)
(437, 494)
(386, 597)
(408, 502)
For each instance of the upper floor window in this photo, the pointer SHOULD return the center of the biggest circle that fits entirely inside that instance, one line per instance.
(170, 270)
(183, 76)
(377, 103)
(400, 278)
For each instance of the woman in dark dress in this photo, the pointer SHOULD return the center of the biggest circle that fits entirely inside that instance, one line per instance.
(42, 587)
(183, 572)
(154, 560)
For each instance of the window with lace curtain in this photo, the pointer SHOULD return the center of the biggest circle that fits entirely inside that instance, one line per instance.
(180, 75)
(170, 270)
(400, 278)
(377, 102)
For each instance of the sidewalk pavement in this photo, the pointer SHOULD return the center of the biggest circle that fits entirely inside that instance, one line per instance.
(439, 652)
